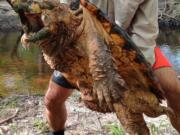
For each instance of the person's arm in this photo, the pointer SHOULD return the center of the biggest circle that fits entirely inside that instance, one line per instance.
(125, 11)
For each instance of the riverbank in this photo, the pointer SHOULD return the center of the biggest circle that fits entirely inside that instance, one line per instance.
(24, 115)
(30, 118)
(9, 20)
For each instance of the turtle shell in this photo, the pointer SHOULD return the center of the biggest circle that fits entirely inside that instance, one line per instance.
(127, 55)
(132, 54)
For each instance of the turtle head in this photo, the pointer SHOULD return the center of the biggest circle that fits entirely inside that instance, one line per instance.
(29, 13)
(61, 16)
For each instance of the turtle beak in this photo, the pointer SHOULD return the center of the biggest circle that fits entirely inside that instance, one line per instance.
(20, 6)
(20, 12)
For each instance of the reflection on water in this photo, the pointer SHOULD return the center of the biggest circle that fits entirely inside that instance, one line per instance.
(169, 42)
(30, 74)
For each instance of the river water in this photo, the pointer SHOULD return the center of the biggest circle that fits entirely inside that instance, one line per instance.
(29, 74)
(25, 74)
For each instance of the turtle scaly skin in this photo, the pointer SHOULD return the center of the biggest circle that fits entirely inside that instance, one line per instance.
(97, 56)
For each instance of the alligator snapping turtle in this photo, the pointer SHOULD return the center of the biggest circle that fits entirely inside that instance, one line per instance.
(96, 56)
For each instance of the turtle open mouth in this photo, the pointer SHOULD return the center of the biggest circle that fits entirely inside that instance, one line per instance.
(30, 12)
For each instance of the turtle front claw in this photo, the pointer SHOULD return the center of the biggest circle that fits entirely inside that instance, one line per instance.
(109, 89)
(24, 41)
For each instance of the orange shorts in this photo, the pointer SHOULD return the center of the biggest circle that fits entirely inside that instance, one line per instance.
(160, 59)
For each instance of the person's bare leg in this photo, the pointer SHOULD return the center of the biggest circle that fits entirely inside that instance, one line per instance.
(55, 106)
(171, 86)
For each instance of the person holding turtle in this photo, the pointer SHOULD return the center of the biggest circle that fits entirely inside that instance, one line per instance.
(140, 19)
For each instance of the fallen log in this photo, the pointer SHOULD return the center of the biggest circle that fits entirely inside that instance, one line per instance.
(10, 117)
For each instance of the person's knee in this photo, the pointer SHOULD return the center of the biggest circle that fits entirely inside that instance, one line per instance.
(52, 102)
(55, 96)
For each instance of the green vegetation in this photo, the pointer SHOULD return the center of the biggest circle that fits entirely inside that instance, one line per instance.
(177, 10)
(14, 128)
(115, 129)
(41, 125)
(154, 129)
(10, 104)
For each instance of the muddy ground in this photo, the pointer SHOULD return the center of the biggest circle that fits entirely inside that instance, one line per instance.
(26, 117)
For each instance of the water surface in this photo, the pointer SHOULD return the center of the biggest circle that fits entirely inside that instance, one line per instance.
(169, 42)
(26, 74)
